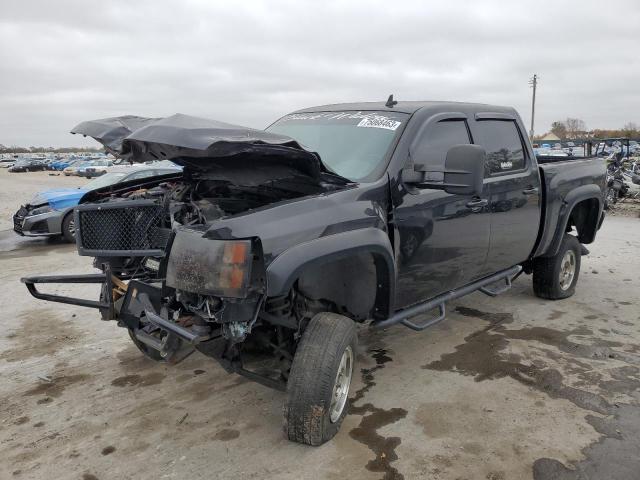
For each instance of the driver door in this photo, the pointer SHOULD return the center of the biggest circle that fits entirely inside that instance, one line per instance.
(444, 238)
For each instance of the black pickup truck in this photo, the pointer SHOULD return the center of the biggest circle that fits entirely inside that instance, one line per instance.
(271, 246)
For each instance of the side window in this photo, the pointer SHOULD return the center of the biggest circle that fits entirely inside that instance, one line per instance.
(436, 142)
(501, 139)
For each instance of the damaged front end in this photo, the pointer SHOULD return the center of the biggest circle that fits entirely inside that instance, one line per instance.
(164, 278)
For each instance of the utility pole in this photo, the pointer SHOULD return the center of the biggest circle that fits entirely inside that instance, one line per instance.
(534, 83)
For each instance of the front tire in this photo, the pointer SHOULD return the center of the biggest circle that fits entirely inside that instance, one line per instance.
(69, 227)
(147, 351)
(556, 277)
(319, 381)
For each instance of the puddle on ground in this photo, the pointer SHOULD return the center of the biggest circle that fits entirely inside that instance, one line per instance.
(375, 418)
(226, 434)
(484, 356)
(13, 245)
(153, 378)
(56, 386)
(41, 332)
(614, 456)
(108, 450)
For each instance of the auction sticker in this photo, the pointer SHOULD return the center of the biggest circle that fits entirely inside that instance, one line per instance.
(379, 122)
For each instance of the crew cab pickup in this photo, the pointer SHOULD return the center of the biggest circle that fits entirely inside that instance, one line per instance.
(270, 246)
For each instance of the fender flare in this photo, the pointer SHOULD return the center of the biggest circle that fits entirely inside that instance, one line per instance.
(287, 267)
(575, 196)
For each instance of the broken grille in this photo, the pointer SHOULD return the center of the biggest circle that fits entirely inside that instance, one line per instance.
(122, 229)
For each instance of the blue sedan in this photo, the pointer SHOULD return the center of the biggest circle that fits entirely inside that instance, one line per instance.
(50, 213)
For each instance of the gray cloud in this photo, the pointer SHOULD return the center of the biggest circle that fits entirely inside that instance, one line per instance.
(250, 62)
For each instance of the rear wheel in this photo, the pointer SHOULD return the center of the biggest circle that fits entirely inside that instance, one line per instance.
(319, 381)
(556, 277)
(69, 227)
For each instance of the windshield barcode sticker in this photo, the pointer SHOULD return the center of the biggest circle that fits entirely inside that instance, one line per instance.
(379, 122)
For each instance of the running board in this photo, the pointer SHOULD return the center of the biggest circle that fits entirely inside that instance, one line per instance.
(404, 316)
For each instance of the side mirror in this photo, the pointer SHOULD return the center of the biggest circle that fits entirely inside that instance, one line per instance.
(463, 172)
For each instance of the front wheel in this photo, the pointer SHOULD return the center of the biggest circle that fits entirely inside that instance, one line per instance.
(319, 381)
(69, 227)
(171, 344)
(555, 277)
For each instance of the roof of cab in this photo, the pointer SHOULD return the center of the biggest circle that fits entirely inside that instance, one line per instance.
(408, 107)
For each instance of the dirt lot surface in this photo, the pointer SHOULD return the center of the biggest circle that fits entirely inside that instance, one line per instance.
(507, 388)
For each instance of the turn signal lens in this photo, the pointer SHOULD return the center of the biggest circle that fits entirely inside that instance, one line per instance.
(235, 253)
(232, 277)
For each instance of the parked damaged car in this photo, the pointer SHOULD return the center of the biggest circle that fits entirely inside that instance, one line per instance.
(270, 247)
(50, 212)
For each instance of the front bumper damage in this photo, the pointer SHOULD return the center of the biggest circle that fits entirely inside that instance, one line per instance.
(137, 305)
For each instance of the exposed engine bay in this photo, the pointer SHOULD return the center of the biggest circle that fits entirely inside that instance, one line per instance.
(177, 291)
(174, 286)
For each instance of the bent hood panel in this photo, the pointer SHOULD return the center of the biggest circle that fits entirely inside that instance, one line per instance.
(209, 145)
(110, 132)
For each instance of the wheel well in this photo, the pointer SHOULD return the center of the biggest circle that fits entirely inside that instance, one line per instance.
(357, 286)
(584, 217)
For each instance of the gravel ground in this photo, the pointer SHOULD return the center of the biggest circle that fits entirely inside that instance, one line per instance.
(507, 388)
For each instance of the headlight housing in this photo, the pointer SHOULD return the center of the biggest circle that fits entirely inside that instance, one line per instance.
(41, 210)
(209, 267)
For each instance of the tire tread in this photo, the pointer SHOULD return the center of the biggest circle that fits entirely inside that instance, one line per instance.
(312, 376)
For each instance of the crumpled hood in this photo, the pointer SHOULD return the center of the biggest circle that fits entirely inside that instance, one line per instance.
(59, 198)
(110, 132)
(201, 144)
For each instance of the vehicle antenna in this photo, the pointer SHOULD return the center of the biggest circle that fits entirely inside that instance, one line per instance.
(390, 102)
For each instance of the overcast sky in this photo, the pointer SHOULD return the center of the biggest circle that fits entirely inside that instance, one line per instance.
(249, 62)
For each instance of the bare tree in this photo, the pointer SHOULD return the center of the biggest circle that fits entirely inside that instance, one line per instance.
(559, 129)
(630, 129)
(575, 128)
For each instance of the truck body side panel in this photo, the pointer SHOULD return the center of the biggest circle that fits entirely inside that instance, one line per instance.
(565, 184)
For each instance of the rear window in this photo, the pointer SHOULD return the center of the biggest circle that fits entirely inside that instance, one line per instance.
(501, 139)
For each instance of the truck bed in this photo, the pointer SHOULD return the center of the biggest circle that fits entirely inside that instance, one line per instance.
(564, 180)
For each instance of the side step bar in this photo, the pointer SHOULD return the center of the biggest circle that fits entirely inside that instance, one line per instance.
(404, 316)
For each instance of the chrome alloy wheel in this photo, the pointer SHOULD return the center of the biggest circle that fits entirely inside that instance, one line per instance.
(72, 227)
(567, 269)
(341, 385)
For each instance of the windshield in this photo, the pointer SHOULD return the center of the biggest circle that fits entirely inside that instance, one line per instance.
(105, 180)
(352, 144)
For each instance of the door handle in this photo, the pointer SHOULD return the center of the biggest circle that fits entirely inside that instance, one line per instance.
(478, 203)
(530, 191)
